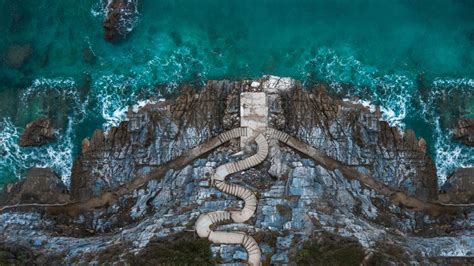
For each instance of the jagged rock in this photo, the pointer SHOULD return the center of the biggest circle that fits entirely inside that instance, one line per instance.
(37, 133)
(151, 136)
(459, 187)
(17, 55)
(41, 185)
(120, 19)
(297, 197)
(464, 131)
(354, 135)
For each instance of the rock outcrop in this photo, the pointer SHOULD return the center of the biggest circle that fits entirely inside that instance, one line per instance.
(300, 197)
(152, 136)
(459, 187)
(120, 19)
(464, 131)
(37, 133)
(41, 185)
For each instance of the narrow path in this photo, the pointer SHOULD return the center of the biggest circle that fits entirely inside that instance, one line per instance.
(73, 208)
(350, 172)
(206, 221)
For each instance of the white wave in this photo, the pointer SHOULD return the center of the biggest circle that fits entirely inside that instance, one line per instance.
(175, 68)
(99, 9)
(64, 88)
(392, 92)
(17, 160)
(449, 154)
(395, 94)
(112, 94)
(454, 82)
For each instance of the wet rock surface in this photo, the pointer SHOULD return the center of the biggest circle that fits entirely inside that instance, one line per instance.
(464, 132)
(120, 19)
(37, 133)
(300, 203)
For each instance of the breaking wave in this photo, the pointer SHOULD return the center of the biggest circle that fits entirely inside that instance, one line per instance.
(350, 77)
(15, 160)
(398, 96)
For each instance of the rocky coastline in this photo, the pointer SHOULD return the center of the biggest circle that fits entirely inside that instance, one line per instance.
(141, 185)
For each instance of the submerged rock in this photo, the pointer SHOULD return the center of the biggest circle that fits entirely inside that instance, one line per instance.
(41, 185)
(464, 131)
(17, 55)
(120, 19)
(37, 133)
(88, 56)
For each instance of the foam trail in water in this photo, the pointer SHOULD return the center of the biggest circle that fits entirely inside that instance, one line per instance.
(64, 89)
(449, 154)
(17, 160)
(395, 94)
(392, 92)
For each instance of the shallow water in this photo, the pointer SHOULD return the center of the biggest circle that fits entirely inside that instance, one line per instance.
(414, 58)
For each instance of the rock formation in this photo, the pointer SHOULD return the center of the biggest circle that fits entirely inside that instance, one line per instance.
(120, 19)
(464, 131)
(37, 133)
(333, 168)
(459, 186)
(41, 185)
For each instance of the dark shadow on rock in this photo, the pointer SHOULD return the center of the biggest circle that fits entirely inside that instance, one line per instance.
(41, 185)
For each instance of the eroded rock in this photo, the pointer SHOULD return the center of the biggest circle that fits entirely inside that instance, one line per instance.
(37, 133)
(464, 131)
(120, 19)
(41, 185)
(459, 187)
(297, 197)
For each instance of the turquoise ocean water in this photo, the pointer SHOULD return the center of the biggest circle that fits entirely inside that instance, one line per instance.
(414, 58)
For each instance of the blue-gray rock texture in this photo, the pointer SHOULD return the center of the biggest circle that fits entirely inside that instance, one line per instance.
(298, 200)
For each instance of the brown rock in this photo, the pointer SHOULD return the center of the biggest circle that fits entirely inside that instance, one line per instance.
(464, 131)
(459, 188)
(119, 18)
(17, 55)
(41, 185)
(37, 133)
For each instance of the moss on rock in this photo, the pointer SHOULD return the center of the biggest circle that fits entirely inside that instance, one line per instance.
(184, 249)
(328, 249)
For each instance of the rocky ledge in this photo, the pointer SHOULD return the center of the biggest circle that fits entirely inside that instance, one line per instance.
(143, 184)
(37, 133)
(464, 131)
(41, 185)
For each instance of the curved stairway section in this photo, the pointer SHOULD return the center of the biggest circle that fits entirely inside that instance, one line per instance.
(206, 221)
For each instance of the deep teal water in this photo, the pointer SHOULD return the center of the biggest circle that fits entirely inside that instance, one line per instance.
(414, 58)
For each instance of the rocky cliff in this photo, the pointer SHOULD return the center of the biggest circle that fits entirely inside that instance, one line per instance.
(144, 183)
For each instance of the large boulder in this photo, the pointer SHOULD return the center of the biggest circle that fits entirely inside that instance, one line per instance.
(37, 133)
(459, 187)
(18, 54)
(120, 19)
(41, 185)
(464, 131)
